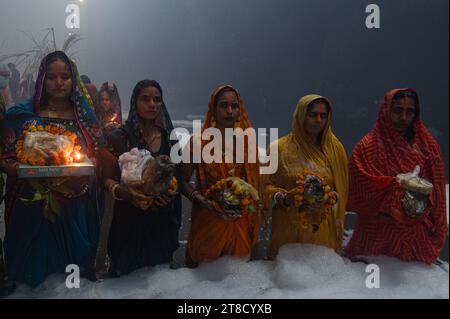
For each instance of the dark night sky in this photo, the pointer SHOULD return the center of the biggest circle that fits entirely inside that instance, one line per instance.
(272, 52)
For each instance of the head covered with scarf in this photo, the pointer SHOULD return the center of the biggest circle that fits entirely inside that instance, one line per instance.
(115, 108)
(251, 169)
(298, 152)
(211, 237)
(81, 101)
(330, 151)
(384, 153)
(134, 121)
(383, 226)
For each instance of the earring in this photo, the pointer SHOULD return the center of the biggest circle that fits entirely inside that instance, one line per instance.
(213, 121)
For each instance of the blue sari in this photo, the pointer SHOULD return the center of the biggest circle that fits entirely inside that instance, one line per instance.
(35, 246)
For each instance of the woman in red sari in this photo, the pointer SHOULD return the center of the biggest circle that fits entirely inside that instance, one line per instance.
(397, 144)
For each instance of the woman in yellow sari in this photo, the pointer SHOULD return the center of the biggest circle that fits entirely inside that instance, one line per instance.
(310, 146)
(213, 233)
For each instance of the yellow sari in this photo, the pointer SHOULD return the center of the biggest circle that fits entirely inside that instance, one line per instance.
(296, 152)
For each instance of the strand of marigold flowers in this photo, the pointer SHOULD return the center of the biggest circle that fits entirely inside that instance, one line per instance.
(299, 200)
(57, 159)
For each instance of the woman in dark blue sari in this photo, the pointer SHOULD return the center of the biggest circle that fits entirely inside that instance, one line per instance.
(36, 246)
(140, 235)
(6, 287)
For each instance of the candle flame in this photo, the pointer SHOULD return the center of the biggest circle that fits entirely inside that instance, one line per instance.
(77, 156)
(113, 118)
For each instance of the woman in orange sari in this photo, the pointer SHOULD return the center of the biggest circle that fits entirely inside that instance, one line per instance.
(213, 233)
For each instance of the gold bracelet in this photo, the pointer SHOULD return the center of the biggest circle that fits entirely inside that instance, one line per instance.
(113, 191)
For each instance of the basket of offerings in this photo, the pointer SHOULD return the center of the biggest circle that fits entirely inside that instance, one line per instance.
(312, 190)
(412, 182)
(155, 175)
(235, 196)
(51, 151)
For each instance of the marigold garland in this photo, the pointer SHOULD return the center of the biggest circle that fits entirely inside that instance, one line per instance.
(173, 185)
(247, 200)
(330, 197)
(56, 159)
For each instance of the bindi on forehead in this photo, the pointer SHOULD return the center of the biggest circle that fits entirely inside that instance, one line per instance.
(320, 108)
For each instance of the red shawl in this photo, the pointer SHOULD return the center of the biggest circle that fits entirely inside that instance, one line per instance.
(383, 228)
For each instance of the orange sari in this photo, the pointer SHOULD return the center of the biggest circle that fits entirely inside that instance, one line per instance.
(211, 237)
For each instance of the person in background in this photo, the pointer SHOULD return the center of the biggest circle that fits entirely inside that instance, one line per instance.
(26, 87)
(91, 88)
(14, 82)
(108, 107)
(5, 76)
(6, 287)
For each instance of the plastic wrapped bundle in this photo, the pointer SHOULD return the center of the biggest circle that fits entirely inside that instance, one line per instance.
(52, 145)
(44, 144)
(415, 200)
(132, 164)
(157, 173)
(412, 182)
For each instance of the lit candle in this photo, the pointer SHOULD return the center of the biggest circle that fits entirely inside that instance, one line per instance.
(113, 119)
(77, 156)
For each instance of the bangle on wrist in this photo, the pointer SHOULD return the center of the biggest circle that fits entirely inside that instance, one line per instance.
(113, 191)
(109, 184)
(277, 196)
